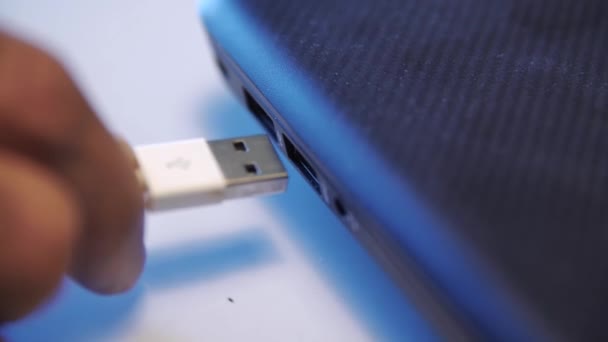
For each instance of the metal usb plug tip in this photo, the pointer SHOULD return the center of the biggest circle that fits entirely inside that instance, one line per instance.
(250, 166)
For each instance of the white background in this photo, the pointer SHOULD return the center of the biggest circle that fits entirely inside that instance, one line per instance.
(291, 269)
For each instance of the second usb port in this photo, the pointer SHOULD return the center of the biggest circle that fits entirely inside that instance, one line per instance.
(302, 164)
(260, 114)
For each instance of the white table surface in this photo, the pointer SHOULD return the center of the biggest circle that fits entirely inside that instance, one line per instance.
(291, 269)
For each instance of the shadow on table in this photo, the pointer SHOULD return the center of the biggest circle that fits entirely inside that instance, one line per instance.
(364, 288)
(78, 315)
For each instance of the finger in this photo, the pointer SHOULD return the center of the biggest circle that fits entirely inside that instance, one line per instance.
(49, 119)
(38, 224)
(110, 255)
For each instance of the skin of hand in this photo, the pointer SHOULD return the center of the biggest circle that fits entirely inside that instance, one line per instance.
(69, 201)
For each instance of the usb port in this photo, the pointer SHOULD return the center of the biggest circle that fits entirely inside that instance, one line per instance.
(302, 164)
(260, 114)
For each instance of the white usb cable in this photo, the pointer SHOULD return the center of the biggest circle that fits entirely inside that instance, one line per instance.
(199, 172)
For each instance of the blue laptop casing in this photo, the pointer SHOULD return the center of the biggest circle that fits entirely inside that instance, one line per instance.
(464, 142)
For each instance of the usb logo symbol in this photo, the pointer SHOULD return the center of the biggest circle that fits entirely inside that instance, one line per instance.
(179, 163)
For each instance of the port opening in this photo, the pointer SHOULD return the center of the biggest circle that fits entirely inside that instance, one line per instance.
(260, 113)
(302, 164)
(340, 209)
(222, 67)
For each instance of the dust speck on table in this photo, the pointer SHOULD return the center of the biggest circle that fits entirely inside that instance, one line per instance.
(230, 300)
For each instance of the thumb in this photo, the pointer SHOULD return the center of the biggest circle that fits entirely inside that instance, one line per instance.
(38, 222)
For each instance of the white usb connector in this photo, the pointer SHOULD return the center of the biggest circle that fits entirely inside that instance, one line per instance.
(199, 172)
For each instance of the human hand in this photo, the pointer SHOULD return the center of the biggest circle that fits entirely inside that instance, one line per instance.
(69, 202)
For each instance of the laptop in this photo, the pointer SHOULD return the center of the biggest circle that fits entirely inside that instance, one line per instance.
(464, 143)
